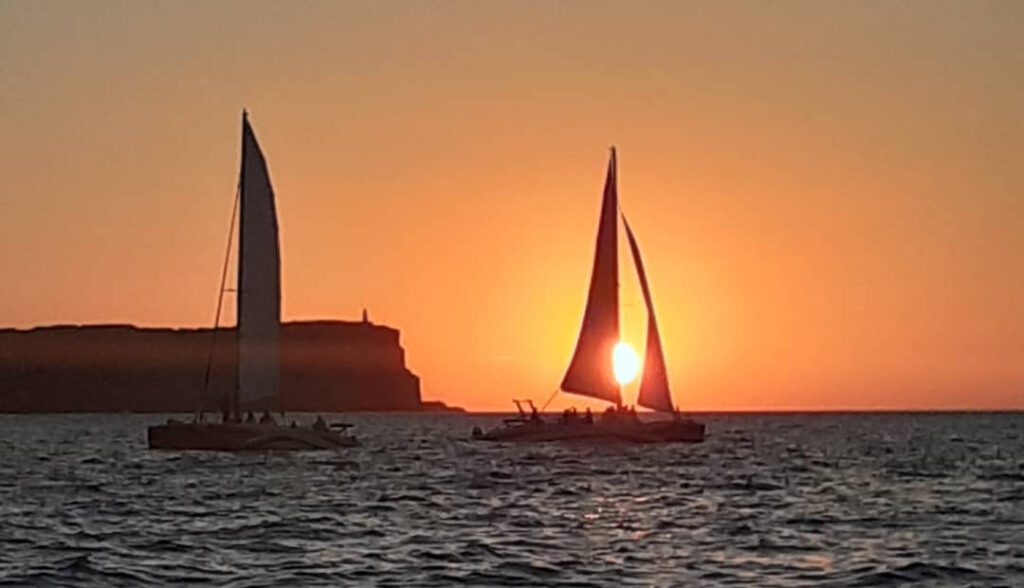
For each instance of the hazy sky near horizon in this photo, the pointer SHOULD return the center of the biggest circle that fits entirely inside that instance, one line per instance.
(829, 196)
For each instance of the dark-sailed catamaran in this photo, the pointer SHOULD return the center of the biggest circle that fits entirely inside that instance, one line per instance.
(259, 325)
(591, 371)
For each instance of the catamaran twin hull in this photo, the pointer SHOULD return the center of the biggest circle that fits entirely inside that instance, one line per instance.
(674, 431)
(177, 435)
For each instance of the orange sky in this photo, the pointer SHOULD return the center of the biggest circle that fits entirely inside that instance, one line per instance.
(828, 197)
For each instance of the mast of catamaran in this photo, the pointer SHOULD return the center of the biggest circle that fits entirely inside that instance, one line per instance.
(590, 371)
(259, 283)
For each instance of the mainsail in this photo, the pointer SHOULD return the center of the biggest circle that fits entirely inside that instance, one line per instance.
(259, 281)
(590, 371)
(654, 392)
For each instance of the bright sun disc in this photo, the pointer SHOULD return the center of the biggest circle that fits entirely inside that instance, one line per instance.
(625, 363)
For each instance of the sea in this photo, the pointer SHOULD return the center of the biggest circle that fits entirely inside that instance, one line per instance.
(890, 499)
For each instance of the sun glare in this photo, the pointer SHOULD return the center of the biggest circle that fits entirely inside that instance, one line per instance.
(625, 363)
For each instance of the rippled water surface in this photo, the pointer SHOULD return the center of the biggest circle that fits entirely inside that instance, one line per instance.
(783, 500)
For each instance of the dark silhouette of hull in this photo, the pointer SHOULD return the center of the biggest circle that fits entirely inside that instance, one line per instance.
(182, 436)
(624, 431)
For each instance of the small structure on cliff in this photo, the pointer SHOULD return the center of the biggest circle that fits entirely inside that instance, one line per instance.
(325, 366)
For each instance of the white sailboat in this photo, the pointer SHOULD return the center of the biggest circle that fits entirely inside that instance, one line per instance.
(259, 326)
(590, 372)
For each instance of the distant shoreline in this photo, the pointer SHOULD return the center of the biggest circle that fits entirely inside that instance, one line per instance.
(461, 411)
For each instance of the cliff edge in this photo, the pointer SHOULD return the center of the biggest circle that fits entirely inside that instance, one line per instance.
(325, 366)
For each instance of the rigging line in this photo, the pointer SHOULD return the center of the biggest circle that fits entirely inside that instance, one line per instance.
(220, 300)
(550, 398)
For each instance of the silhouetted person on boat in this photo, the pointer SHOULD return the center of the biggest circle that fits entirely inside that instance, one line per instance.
(320, 424)
(249, 418)
(588, 417)
(534, 415)
(225, 415)
(266, 419)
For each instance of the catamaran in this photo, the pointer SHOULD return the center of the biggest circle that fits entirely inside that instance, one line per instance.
(591, 371)
(258, 341)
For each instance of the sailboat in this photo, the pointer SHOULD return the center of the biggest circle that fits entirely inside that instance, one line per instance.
(258, 340)
(590, 372)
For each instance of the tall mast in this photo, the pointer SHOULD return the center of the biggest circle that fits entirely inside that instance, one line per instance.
(259, 283)
(239, 287)
(590, 371)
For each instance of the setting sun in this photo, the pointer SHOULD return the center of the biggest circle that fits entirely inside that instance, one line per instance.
(625, 362)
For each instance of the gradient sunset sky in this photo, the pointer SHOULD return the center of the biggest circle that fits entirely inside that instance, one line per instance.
(829, 196)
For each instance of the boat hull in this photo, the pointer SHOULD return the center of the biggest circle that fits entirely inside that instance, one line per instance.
(182, 436)
(674, 431)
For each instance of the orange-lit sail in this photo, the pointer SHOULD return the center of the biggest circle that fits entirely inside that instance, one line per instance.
(259, 281)
(654, 391)
(590, 371)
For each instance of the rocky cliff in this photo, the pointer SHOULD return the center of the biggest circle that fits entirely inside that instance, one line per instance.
(325, 366)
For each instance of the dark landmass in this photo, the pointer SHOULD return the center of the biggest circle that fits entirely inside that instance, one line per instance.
(438, 406)
(328, 366)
